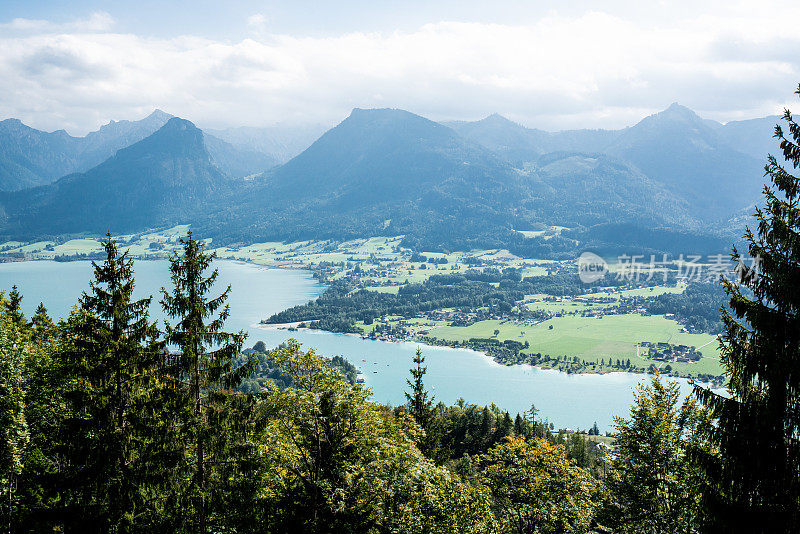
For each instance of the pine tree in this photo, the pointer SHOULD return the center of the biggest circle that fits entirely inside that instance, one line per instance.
(421, 407)
(107, 363)
(14, 431)
(754, 481)
(418, 403)
(205, 364)
(15, 305)
(519, 426)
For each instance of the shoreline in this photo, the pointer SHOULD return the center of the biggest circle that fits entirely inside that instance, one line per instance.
(293, 326)
(278, 326)
(491, 359)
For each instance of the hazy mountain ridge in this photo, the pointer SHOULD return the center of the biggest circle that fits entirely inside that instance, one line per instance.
(519, 144)
(711, 166)
(391, 172)
(281, 142)
(163, 179)
(381, 171)
(693, 160)
(31, 157)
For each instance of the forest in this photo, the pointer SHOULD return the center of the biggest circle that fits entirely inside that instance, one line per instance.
(342, 305)
(106, 430)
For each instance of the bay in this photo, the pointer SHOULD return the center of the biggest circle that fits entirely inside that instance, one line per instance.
(568, 400)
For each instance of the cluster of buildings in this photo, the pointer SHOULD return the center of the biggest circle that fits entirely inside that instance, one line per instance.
(666, 352)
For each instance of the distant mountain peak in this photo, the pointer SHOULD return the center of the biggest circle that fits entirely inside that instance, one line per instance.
(677, 111)
(159, 114)
(389, 119)
(15, 125)
(179, 124)
(496, 118)
(177, 136)
(379, 112)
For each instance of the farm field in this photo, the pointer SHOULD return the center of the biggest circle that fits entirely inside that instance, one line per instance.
(593, 339)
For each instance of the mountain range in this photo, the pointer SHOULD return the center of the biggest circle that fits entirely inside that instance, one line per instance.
(30, 157)
(710, 165)
(673, 179)
(161, 180)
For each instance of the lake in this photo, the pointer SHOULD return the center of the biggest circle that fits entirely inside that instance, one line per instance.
(573, 401)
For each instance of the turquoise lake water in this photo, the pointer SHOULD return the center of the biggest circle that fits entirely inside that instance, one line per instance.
(572, 401)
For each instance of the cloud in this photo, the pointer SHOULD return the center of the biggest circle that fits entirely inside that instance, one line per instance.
(96, 22)
(591, 69)
(257, 24)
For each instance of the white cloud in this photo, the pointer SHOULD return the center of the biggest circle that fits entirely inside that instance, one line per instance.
(257, 24)
(593, 69)
(96, 22)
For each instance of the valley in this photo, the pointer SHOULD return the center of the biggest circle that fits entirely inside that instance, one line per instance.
(562, 325)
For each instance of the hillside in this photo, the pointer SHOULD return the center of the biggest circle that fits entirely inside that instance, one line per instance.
(163, 179)
(693, 161)
(519, 145)
(30, 157)
(390, 172)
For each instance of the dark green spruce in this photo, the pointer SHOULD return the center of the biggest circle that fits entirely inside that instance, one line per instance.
(204, 364)
(107, 360)
(754, 481)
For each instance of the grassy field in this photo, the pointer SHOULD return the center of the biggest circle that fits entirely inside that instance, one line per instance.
(385, 289)
(641, 292)
(591, 339)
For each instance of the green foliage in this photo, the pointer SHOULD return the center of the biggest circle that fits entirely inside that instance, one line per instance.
(342, 463)
(698, 307)
(536, 488)
(653, 481)
(343, 304)
(201, 371)
(15, 350)
(754, 479)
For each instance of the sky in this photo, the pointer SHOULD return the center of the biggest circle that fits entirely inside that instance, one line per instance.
(553, 65)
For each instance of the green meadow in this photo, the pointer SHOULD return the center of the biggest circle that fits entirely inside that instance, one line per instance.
(594, 339)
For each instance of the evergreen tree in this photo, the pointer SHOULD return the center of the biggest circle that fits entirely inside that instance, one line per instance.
(754, 481)
(204, 367)
(107, 362)
(421, 407)
(42, 325)
(519, 426)
(15, 305)
(14, 432)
